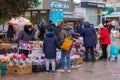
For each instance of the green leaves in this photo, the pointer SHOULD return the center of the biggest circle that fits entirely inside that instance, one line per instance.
(37, 3)
(10, 8)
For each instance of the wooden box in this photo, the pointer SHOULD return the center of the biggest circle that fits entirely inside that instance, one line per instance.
(23, 70)
(5, 46)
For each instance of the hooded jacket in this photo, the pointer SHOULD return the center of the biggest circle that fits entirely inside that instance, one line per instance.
(65, 29)
(88, 35)
(50, 44)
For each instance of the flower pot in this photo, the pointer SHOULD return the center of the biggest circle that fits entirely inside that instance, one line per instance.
(3, 70)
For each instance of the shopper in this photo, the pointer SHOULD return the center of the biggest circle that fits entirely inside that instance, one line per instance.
(50, 44)
(95, 34)
(10, 33)
(42, 30)
(89, 40)
(54, 27)
(26, 35)
(104, 40)
(65, 28)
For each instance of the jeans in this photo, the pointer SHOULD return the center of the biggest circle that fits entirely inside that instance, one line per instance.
(63, 55)
(48, 63)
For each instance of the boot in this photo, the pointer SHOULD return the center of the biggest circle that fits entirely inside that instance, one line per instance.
(93, 60)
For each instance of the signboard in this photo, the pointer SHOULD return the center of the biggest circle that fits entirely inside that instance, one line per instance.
(59, 5)
(56, 16)
(92, 5)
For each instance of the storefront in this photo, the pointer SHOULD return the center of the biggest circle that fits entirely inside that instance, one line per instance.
(93, 12)
(42, 12)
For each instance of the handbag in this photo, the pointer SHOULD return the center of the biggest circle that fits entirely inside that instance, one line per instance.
(66, 45)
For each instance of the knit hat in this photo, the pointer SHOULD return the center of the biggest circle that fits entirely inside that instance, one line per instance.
(61, 23)
(100, 26)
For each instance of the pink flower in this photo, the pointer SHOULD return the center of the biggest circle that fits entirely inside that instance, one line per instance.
(5, 54)
(23, 56)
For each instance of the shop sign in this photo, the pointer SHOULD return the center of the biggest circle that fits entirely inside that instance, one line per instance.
(92, 5)
(56, 16)
(59, 5)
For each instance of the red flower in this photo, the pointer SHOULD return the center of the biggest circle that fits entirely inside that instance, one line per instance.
(14, 56)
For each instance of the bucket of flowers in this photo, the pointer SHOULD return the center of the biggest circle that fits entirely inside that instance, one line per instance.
(4, 60)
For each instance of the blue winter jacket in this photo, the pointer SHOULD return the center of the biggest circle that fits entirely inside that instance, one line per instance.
(50, 44)
(88, 34)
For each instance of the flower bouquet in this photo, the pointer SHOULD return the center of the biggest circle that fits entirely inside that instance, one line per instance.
(77, 44)
(76, 61)
(4, 60)
(17, 59)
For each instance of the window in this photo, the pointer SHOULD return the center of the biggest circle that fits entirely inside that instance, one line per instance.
(104, 0)
(118, 9)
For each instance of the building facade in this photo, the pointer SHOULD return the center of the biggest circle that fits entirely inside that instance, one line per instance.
(91, 11)
(42, 12)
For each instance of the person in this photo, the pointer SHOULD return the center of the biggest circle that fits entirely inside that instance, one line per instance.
(110, 27)
(80, 26)
(104, 40)
(26, 35)
(50, 44)
(65, 28)
(53, 26)
(42, 30)
(10, 33)
(88, 34)
(95, 34)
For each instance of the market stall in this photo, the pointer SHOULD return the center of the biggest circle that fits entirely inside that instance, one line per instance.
(15, 63)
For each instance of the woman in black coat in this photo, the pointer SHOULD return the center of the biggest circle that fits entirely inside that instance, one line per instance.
(89, 40)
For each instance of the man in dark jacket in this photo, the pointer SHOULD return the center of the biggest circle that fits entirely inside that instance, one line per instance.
(53, 26)
(89, 40)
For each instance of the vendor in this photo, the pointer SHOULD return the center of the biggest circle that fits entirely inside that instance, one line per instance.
(26, 35)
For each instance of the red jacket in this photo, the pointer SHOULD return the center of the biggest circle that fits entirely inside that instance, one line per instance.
(104, 36)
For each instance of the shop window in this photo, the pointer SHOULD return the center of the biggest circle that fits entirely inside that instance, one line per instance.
(118, 9)
(104, 0)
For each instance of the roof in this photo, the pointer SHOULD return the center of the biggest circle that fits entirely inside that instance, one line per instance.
(108, 10)
(114, 14)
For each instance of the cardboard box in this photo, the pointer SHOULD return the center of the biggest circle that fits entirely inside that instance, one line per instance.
(23, 70)
(10, 69)
(5, 46)
(19, 70)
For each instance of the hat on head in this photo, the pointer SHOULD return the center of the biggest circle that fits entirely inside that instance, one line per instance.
(100, 26)
(30, 24)
(61, 23)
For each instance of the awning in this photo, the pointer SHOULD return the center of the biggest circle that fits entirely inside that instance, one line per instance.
(71, 16)
(108, 10)
(114, 14)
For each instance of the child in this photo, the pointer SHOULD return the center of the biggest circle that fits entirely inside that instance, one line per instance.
(49, 49)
